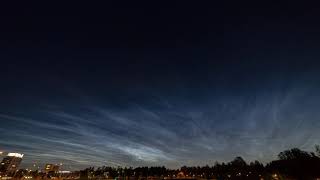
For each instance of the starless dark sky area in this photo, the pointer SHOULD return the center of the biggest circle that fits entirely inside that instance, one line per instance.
(154, 83)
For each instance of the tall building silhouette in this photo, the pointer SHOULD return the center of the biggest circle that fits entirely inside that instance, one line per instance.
(10, 163)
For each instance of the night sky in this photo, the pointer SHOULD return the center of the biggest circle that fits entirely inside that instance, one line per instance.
(146, 84)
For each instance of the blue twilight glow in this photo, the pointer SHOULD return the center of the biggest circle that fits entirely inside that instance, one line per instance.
(172, 131)
(152, 84)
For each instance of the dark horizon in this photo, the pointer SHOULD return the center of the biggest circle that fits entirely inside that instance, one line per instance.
(147, 84)
(291, 164)
(288, 155)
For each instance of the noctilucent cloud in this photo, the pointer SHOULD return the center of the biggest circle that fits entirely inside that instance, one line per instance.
(132, 87)
(190, 122)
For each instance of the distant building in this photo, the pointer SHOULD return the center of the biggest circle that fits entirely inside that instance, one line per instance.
(51, 168)
(10, 163)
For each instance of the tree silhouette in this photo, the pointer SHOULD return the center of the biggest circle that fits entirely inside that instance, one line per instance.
(317, 147)
(293, 163)
(297, 164)
(238, 162)
(294, 153)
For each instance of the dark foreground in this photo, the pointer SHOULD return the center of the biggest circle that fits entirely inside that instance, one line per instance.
(292, 164)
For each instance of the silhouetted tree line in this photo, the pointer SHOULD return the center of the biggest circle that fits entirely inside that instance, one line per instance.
(291, 164)
(297, 164)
